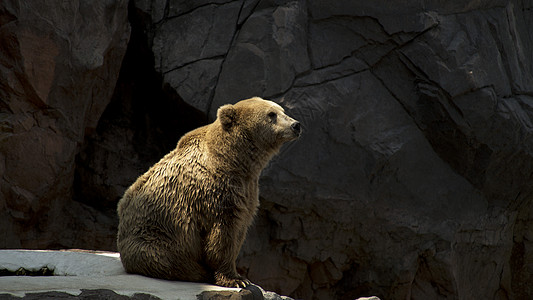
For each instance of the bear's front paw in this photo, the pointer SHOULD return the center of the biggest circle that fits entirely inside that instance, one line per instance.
(232, 282)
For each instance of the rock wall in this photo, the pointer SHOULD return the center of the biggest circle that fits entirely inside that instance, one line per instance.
(59, 61)
(412, 178)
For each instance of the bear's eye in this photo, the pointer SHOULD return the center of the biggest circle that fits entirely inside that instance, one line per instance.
(272, 115)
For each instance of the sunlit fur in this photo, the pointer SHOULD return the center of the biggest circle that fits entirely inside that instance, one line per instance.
(187, 217)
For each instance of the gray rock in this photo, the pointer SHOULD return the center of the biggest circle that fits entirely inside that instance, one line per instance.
(268, 52)
(196, 81)
(206, 33)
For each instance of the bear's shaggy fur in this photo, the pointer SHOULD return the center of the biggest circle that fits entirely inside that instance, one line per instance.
(187, 217)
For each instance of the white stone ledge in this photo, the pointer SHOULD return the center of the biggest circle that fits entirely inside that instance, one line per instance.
(77, 271)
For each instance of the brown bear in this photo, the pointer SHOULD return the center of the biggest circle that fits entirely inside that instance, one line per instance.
(187, 217)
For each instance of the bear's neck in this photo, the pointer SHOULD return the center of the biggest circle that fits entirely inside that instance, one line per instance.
(238, 154)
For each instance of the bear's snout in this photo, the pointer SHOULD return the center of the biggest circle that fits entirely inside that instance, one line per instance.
(296, 128)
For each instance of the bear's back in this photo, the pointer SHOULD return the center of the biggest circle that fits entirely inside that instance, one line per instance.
(167, 194)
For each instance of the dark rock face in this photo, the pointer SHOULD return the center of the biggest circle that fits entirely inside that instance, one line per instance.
(412, 178)
(58, 65)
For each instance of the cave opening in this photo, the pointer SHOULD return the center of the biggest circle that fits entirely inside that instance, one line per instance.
(143, 121)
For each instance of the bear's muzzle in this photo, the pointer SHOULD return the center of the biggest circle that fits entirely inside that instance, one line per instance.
(296, 128)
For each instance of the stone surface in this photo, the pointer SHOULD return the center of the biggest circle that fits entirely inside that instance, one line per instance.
(59, 62)
(89, 274)
(412, 178)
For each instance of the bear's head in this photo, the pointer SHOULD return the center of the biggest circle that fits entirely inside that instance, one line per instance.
(261, 121)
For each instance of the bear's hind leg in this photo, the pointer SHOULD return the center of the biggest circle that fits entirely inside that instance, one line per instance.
(160, 260)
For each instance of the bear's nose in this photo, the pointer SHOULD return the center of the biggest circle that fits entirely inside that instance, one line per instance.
(296, 127)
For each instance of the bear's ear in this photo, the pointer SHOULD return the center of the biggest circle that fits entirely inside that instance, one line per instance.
(227, 115)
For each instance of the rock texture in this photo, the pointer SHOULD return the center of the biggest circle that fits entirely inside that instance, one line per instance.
(59, 62)
(413, 176)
